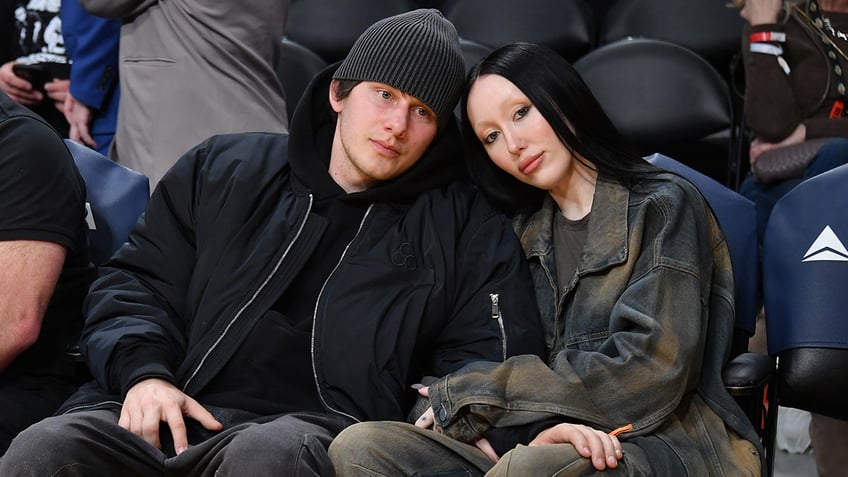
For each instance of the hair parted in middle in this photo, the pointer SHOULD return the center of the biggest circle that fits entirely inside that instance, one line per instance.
(558, 91)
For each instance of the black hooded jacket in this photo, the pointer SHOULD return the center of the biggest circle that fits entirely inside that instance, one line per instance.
(433, 277)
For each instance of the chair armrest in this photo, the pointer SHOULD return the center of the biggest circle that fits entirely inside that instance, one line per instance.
(748, 373)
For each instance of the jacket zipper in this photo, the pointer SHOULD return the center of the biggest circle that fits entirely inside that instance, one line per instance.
(496, 315)
(252, 298)
(315, 317)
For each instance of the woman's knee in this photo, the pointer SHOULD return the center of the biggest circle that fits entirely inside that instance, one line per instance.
(563, 460)
(358, 438)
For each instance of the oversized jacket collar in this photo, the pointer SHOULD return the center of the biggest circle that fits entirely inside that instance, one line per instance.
(608, 220)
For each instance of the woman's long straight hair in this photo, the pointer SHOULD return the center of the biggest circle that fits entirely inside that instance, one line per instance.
(566, 102)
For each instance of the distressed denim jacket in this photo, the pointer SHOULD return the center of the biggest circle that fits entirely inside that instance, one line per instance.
(638, 336)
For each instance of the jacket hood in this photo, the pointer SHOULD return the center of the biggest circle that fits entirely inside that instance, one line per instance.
(311, 136)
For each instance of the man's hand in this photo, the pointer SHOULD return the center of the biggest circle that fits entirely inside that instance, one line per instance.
(758, 147)
(19, 89)
(428, 419)
(57, 90)
(603, 448)
(153, 401)
(79, 118)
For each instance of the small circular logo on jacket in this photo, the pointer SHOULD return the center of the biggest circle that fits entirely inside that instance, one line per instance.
(403, 257)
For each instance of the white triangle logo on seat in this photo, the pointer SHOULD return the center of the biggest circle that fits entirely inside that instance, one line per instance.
(89, 217)
(826, 248)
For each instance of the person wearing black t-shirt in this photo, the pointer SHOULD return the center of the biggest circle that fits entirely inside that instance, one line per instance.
(45, 269)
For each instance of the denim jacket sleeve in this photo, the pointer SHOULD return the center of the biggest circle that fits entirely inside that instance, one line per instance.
(632, 339)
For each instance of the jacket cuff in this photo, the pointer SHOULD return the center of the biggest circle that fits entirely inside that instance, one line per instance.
(447, 416)
(765, 27)
(138, 369)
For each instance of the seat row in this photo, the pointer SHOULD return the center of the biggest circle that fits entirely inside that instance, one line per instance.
(571, 27)
(662, 96)
(803, 271)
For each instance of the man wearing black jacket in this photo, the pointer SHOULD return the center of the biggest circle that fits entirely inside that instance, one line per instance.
(280, 288)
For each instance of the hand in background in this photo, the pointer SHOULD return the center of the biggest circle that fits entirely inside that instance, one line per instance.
(758, 147)
(57, 90)
(79, 117)
(757, 12)
(19, 89)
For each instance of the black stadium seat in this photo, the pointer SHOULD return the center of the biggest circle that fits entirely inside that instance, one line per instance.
(563, 25)
(296, 66)
(664, 98)
(329, 27)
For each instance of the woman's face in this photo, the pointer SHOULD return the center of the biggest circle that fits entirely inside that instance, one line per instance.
(515, 135)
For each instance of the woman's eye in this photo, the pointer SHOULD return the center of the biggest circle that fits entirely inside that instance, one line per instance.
(491, 137)
(522, 112)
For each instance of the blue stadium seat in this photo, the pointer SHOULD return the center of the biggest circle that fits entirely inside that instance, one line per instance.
(805, 272)
(737, 217)
(115, 198)
(748, 376)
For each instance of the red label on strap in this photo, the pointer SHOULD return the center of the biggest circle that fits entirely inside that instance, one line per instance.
(837, 109)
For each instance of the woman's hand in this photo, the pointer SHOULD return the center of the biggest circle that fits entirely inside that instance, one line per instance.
(604, 449)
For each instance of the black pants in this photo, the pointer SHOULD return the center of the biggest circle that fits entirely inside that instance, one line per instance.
(91, 443)
(25, 400)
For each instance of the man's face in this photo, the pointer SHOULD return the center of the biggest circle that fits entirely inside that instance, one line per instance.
(380, 133)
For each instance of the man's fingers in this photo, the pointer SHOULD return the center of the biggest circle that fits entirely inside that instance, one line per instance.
(26, 97)
(194, 410)
(174, 417)
(85, 136)
(124, 420)
(427, 420)
(485, 446)
(150, 423)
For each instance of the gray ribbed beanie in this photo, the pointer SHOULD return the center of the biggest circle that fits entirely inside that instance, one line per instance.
(416, 52)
